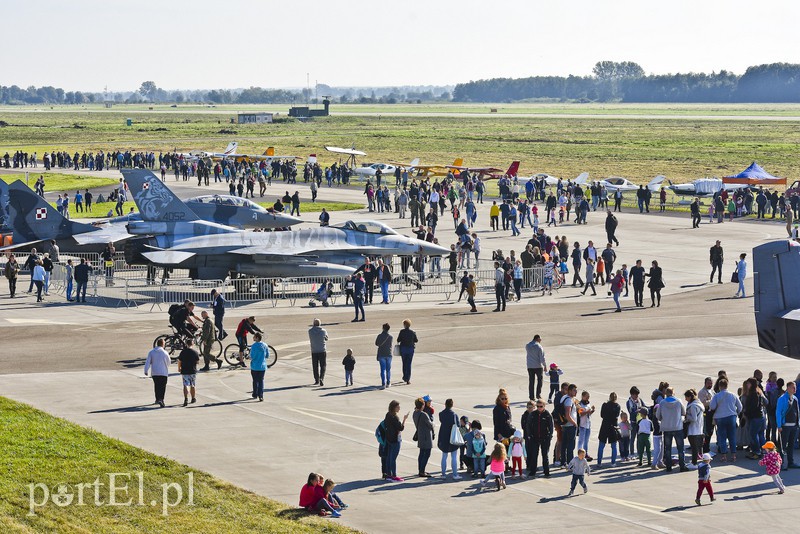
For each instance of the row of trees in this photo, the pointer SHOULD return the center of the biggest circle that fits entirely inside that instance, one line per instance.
(150, 92)
(626, 82)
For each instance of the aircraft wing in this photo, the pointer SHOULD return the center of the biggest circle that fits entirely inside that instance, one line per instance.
(167, 257)
(103, 235)
(348, 151)
(15, 246)
(269, 252)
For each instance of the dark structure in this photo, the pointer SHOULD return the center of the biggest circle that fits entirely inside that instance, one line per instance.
(777, 296)
(305, 111)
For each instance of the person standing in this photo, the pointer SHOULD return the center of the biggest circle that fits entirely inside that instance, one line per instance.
(694, 207)
(609, 416)
(539, 428)
(218, 306)
(534, 355)
(38, 277)
(394, 427)
(741, 270)
(258, 365)
(384, 344)
(705, 395)
(369, 271)
(694, 425)
(407, 339)
(358, 296)
(716, 258)
(611, 228)
(447, 420)
(726, 407)
(11, 270)
(424, 424)
(670, 415)
(499, 287)
(69, 273)
(787, 419)
(187, 367)
(158, 362)
(30, 263)
(655, 284)
(569, 428)
(318, 337)
(384, 278)
(207, 337)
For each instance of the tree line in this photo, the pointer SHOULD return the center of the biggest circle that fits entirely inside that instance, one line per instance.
(627, 82)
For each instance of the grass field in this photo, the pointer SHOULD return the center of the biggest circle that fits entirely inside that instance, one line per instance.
(563, 146)
(39, 448)
(55, 181)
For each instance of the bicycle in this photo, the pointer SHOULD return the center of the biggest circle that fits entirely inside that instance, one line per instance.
(175, 342)
(232, 355)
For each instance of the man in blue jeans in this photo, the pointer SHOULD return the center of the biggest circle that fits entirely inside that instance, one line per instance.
(726, 407)
(787, 414)
(569, 429)
(670, 414)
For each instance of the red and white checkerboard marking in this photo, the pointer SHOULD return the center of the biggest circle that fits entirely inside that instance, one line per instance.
(41, 213)
(146, 185)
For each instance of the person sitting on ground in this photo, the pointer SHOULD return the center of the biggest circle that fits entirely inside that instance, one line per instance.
(313, 499)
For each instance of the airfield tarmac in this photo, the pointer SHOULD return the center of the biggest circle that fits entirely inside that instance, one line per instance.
(85, 366)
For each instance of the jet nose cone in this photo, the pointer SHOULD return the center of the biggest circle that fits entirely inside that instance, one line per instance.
(429, 249)
(288, 220)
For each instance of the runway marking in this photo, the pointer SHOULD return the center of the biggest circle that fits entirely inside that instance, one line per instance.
(649, 508)
(14, 320)
(337, 414)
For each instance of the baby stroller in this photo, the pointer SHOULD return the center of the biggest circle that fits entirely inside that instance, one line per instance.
(325, 290)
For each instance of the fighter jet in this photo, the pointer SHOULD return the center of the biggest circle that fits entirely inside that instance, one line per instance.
(35, 220)
(172, 235)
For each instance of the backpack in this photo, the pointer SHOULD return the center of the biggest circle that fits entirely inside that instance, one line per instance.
(478, 447)
(380, 433)
(174, 309)
(559, 414)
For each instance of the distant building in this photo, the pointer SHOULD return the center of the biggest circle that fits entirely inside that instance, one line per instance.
(305, 111)
(255, 118)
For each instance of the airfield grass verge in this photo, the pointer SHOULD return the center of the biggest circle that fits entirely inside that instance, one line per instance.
(54, 181)
(40, 448)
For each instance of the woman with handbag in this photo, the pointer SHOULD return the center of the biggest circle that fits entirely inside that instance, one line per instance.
(739, 275)
(655, 284)
(450, 439)
(609, 429)
(423, 436)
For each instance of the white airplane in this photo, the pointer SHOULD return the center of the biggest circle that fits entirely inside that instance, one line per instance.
(230, 151)
(615, 183)
(703, 187)
(552, 180)
(387, 169)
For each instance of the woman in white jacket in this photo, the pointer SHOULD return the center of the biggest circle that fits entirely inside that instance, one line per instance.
(694, 419)
(741, 269)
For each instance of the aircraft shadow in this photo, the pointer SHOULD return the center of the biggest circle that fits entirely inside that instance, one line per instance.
(352, 391)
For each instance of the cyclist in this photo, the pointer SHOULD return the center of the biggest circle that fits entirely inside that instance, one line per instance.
(182, 318)
(246, 325)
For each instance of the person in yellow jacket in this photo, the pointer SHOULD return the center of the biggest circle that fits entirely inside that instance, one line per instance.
(494, 215)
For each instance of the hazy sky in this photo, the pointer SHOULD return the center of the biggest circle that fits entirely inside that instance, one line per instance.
(88, 44)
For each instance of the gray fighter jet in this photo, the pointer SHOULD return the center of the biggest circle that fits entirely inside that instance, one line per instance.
(31, 220)
(174, 236)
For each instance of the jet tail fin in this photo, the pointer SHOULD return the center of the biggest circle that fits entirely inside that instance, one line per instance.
(231, 150)
(154, 199)
(582, 177)
(33, 219)
(513, 168)
(655, 182)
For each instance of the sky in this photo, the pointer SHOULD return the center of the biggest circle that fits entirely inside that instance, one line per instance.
(204, 44)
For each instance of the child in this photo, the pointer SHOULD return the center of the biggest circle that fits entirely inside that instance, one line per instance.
(517, 449)
(554, 374)
(704, 478)
(563, 270)
(625, 277)
(561, 212)
(497, 467)
(552, 217)
(625, 433)
(312, 497)
(478, 450)
(772, 383)
(645, 428)
(549, 272)
(535, 219)
(772, 461)
(349, 363)
(580, 469)
(466, 434)
(600, 269)
(585, 411)
(333, 499)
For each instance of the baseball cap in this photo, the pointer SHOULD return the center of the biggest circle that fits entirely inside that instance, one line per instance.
(553, 366)
(768, 445)
(427, 398)
(706, 457)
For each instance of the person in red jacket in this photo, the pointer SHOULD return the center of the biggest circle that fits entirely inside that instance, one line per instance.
(312, 497)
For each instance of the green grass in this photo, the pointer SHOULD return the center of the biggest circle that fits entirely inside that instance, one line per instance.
(316, 207)
(39, 448)
(636, 148)
(55, 181)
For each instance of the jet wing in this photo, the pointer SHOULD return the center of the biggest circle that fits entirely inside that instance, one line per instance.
(19, 245)
(168, 257)
(348, 151)
(285, 252)
(104, 235)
